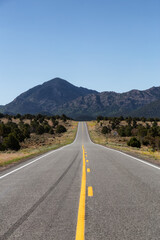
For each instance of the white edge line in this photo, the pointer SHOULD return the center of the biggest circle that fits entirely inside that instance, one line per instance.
(137, 159)
(37, 159)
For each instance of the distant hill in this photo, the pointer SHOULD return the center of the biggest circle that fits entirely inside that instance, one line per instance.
(46, 98)
(111, 103)
(58, 96)
(149, 110)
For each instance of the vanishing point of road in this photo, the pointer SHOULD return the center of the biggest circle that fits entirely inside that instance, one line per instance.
(80, 191)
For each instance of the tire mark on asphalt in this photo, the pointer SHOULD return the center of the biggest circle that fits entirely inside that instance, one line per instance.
(60, 202)
(32, 209)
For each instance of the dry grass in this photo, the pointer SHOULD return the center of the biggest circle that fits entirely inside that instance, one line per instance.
(50, 143)
(124, 123)
(120, 144)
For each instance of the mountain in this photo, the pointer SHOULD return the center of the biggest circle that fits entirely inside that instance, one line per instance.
(110, 103)
(149, 110)
(46, 98)
(58, 96)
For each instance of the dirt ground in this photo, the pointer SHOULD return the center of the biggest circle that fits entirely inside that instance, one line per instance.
(120, 143)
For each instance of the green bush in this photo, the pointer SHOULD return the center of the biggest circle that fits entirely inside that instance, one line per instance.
(51, 131)
(128, 131)
(26, 132)
(145, 141)
(40, 130)
(46, 128)
(121, 131)
(2, 147)
(64, 117)
(105, 130)
(142, 131)
(60, 129)
(11, 142)
(1, 115)
(55, 122)
(125, 131)
(134, 142)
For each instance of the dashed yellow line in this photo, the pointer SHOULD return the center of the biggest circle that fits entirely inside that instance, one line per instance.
(86, 160)
(90, 191)
(88, 169)
(80, 232)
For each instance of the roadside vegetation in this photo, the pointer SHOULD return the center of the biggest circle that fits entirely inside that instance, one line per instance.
(24, 136)
(137, 136)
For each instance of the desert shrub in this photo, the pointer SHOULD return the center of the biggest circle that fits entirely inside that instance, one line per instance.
(60, 129)
(154, 142)
(5, 129)
(105, 118)
(28, 116)
(157, 142)
(46, 128)
(18, 134)
(57, 117)
(121, 131)
(2, 147)
(154, 131)
(128, 131)
(129, 120)
(26, 132)
(40, 130)
(147, 126)
(2, 129)
(55, 123)
(154, 124)
(51, 131)
(134, 142)
(1, 115)
(25, 129)
(125, 131)
(64, 117)
(143, 119)
(99, 118)
(151, 119)
(11, 142)
(134, 131)
(145, 141)
(41, 119)
(121, 118)
(18, 115)
(105, 130)
(142, 131)
(113, 125)
(134, 124)
(34, 126)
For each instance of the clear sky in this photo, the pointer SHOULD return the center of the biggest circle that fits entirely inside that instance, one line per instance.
(106, 45)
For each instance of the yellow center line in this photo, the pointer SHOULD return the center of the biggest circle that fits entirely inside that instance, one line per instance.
(88, 169)
(86, 160)
(80, 231)
(90, 191)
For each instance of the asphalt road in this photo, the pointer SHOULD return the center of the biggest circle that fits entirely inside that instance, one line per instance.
(40, 198)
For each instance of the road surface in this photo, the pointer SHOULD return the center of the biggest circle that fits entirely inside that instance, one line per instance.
(81, 191)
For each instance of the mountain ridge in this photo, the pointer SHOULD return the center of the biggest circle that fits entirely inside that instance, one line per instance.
(58, 96)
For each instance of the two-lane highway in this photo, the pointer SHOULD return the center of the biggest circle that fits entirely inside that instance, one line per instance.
(81, 191)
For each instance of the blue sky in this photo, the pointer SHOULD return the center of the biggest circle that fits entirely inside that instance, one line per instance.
(106, 45)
